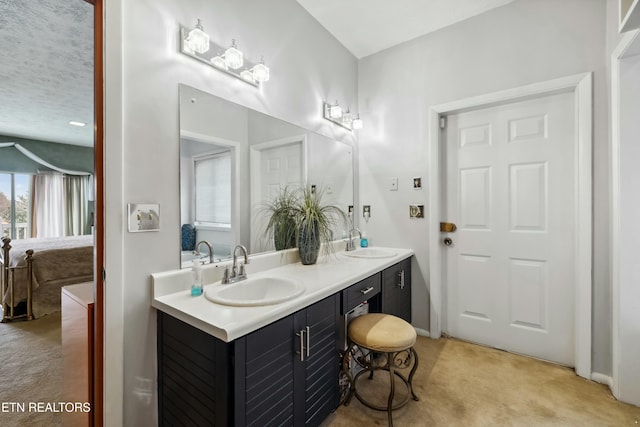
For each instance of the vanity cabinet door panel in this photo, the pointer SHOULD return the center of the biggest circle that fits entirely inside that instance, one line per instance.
(396, 290)
(193, 381)
(319, 382)
(265, 376)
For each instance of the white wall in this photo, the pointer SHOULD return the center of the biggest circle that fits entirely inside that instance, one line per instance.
(628, 330)
(524, 42)
(143, 70)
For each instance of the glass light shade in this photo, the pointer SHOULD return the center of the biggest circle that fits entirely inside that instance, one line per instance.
(197, 40)
(186, 48)
(233, 57)
(247, 75)
(261, 73)
(335, 111)
(347, 118)
(357, 123)
(218, 61)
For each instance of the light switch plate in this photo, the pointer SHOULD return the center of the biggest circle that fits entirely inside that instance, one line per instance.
(393, 184)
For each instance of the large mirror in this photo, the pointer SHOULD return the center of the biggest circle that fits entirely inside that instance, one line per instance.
(233, 160)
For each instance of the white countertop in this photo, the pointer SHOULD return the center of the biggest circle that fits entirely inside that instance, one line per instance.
(331, 274)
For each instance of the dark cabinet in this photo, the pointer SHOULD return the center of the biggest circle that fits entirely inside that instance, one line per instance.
(193, 381)
(360, 292)
(285, 373)
(396, 290)
(288, 371)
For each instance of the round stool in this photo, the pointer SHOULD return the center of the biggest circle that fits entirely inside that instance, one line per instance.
(383, 334)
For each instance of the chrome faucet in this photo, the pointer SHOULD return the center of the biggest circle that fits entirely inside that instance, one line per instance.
(208, 246)
(351, 242)
(237, 272)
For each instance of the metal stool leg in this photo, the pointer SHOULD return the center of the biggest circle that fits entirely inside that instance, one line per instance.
(392, 387)
(413, 371)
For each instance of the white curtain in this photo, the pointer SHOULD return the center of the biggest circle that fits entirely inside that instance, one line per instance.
(49, 206)
(76, 212)
(60, 205)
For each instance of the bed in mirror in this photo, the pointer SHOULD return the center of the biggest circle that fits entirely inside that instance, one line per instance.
(234, 160)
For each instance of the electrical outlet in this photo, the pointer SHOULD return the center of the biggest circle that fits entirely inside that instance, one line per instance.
(416, 211)
(366, 211)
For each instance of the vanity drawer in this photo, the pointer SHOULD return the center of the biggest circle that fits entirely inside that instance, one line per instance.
(360, 292)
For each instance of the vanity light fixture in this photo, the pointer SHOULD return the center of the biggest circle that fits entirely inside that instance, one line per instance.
(260, 71)
(335, 111)
(233, 57)
(218, 61)
(334, 114)
(195, 43)
(247, 75)
(78, 124)
(357, 123)
(197, 40)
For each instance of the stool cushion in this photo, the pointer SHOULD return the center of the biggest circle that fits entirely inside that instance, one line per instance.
(382, 332)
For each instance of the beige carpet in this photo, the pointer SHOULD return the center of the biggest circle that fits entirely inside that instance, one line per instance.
(462, 384)
(30, 370)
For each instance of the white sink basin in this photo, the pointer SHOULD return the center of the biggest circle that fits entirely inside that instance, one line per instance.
(254, 292)
(371, 253)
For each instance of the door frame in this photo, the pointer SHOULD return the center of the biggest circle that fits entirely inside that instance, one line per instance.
(629, 45)
(582, 87)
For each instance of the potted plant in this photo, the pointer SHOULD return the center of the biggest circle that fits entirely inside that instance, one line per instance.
(314, 223)
(281, 225)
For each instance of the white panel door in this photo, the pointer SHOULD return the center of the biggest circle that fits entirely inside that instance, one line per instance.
(280, 167)
(510, 191)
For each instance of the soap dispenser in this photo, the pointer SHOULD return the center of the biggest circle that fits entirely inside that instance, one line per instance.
(364, 241)
(196, 273)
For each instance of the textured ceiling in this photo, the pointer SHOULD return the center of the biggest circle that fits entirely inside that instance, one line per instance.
(369, 26)
(46, 53)
(46, 70)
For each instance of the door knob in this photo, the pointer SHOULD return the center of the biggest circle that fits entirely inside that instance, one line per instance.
(447, 241)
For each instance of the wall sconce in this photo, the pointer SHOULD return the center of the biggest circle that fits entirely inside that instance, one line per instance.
(335, 114)
(196, 44)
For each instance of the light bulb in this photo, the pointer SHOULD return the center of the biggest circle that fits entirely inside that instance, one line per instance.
(197, 40)
(218, 61)
(357, 123)
(335, 111)
(233, 57)
(347, 118)
(261, 72)
(247, 75)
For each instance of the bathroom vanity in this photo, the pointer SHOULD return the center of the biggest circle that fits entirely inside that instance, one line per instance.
(269, 365)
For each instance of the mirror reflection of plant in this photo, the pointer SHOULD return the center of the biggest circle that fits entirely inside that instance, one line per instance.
(315, 221)
(281, 226)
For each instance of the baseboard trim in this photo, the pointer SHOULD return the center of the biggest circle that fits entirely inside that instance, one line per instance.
(422, 332)
(602, 379)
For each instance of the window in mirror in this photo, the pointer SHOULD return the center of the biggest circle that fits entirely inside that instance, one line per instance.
(212, 176)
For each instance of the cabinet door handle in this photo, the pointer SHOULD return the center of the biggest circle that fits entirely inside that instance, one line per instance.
(301, 352)
(308, 341)
(401, 275)
(366, 290)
